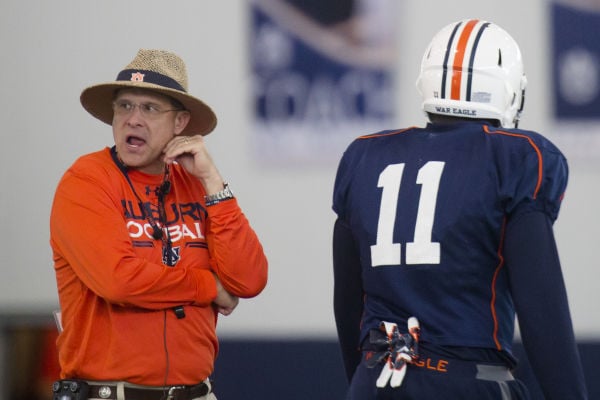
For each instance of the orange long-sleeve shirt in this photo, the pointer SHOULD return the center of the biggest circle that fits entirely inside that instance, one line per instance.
(115, 293)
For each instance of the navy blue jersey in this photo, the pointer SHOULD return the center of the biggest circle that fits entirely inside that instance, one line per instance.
(427, 208)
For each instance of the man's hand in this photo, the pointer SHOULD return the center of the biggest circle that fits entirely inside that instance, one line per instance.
(224, 303)
(192, 154)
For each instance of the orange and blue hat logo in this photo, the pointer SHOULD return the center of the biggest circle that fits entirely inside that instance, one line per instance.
(137, 77)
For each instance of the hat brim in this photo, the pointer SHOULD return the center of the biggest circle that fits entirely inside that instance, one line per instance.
(97, 100)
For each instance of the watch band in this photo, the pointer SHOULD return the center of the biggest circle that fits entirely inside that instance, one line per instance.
(225, 194)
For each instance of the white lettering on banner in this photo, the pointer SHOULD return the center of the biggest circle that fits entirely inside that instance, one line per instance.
(293, 97)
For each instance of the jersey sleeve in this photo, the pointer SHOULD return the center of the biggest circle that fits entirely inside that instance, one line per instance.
(537, 178)
(348, 293)
(342, 182)
(540, 298)
(347, 296)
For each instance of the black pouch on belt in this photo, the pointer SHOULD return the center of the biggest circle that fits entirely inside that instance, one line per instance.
(70, 389)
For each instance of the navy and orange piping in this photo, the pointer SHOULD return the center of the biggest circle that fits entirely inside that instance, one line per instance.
(535, 147)
(376, 135)
(494, 279)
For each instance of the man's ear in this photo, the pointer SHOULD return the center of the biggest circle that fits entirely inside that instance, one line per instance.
(181, 120)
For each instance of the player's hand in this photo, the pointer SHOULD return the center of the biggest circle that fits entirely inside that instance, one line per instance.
(192, 154)
(224, 303)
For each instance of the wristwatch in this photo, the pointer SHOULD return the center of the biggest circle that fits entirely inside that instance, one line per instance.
(225, 194)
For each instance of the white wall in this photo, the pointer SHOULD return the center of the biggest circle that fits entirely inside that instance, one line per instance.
(51, 50)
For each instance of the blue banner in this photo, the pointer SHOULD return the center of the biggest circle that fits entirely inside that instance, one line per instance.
(322, 73)
(576, 63)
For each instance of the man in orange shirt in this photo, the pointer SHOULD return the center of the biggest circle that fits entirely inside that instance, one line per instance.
(149, 244)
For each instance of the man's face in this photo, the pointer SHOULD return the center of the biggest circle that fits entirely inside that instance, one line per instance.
(143, 123)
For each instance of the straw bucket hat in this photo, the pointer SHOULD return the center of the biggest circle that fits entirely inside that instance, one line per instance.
(157, 70)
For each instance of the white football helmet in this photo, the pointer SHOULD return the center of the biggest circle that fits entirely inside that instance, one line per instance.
(473, 69)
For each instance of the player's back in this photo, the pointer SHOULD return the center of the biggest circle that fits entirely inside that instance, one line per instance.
(427, 207)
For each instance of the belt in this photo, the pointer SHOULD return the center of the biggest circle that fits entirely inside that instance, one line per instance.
(109, 391)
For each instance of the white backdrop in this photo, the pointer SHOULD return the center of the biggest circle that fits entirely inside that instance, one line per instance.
(51, 50)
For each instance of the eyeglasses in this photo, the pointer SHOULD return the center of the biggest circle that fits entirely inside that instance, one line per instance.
(148, 110)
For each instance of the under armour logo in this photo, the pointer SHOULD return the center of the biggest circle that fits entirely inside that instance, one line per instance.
(149, 190)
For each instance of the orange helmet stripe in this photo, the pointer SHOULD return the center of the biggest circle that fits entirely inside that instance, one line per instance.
(457, 66)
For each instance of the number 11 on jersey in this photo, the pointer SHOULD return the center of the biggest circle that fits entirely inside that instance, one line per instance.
(421, 250)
